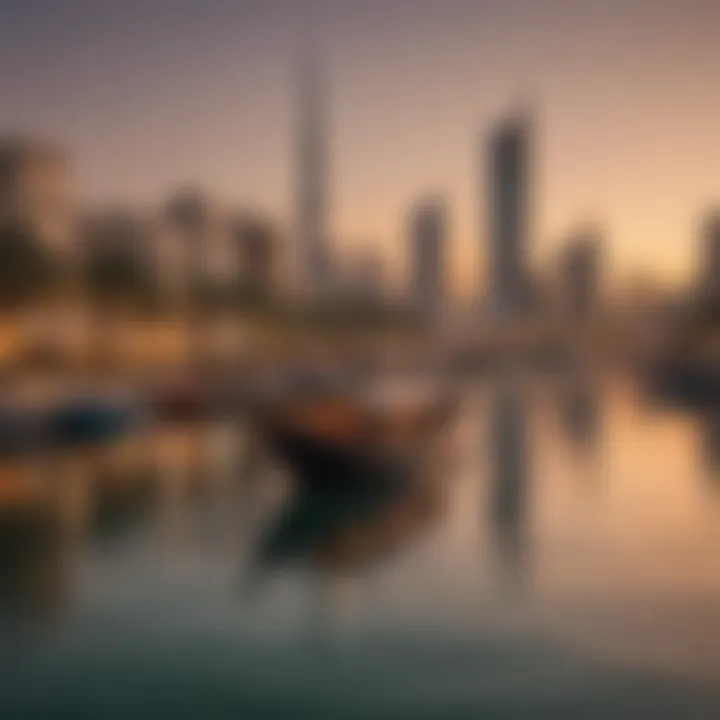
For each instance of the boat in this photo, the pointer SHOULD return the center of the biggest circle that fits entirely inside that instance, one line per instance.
(341, 437)
(87, 421)
(685, 370)
(79, 421)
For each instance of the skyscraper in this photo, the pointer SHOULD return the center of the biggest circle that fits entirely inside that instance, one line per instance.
(313, 255)
(255, 245)
(579, 275)
(427, 239)
(509, 212)
(709, 279)
(35, 189)
(191, 215)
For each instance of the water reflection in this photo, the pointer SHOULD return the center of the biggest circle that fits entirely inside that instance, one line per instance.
(34, 581)
(509, 482)
(710, 444)
(56, 506)
(344, 531)
(580, 412)
(139, 547)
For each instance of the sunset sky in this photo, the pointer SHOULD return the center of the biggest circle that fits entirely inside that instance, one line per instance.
(149, 94)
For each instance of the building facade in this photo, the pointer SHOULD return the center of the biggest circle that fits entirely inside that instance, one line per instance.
(579, 274)
(510, 215)
(35, 191)
(427, 241)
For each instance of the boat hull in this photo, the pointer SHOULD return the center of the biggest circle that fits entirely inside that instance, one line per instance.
(318, 463)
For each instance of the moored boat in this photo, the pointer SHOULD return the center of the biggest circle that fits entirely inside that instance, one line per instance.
(78, 421)
(363, 437)
(89, 421)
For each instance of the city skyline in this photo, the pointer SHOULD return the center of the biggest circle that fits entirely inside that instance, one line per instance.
(626, 117)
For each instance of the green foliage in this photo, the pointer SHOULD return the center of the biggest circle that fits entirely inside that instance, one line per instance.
(115, 275)
(27, 268)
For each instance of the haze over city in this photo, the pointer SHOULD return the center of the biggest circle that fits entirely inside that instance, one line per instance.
(145, 96)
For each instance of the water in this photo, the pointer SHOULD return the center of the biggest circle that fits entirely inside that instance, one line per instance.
(563, 561)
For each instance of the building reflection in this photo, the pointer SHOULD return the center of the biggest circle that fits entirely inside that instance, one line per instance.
(182, 486)
(33, 573)
(122, 503)
(580, 412)
(196, 469)
(33, 584)
(509, 483)
(710, 444)
(57, 506)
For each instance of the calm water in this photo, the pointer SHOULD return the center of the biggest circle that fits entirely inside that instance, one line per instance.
(560, 559)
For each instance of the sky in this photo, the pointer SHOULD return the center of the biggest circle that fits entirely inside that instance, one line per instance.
(147, 95)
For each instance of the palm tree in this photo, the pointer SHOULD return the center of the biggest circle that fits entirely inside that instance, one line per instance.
(116, 270)
(188, 213)
(27, 269)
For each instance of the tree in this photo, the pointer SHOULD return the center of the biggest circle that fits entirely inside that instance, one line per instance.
(27, 269)
(116, 266)
(119, 276)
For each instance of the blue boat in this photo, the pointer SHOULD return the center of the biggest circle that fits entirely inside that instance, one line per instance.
(74, 422)
(89, 421)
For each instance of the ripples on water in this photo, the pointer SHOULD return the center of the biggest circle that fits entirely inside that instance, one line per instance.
(563, 561)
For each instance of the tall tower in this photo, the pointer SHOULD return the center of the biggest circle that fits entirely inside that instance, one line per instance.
(579, 278)
(313, 257)
(427, 240)
(509, 182)
(709, 274)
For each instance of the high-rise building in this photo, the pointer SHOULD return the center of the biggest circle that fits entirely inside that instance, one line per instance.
(256, 253)
(189, 211)
(579, 274)
(509, 212)
(427, 239)
(312, 188)
(709, 279)
(35, 189)
(193, 220)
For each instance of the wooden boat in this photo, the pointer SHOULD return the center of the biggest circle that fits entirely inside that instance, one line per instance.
(333, 438)
(73, 422)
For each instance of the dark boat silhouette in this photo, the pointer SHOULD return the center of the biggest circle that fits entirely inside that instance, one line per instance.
(71, 422)
(89, 421)
(338, 438)
(686, 371)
